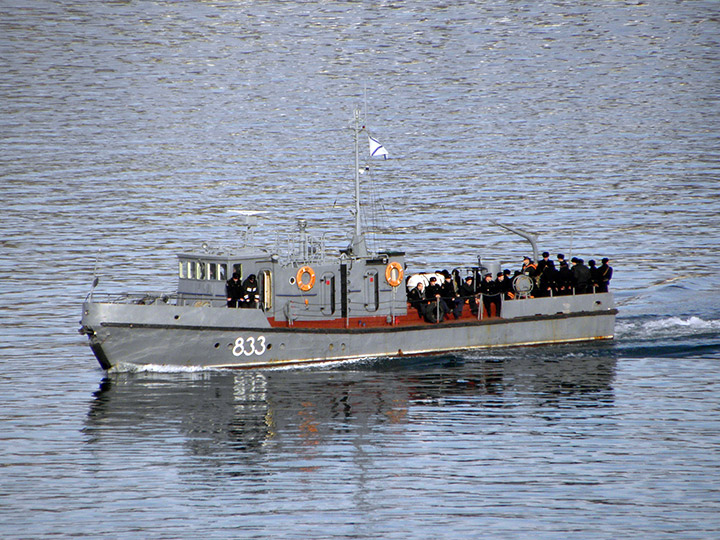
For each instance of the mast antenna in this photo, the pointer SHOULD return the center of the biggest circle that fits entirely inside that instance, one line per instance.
(358, 244)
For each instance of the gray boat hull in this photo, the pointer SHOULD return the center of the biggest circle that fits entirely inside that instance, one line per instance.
(210, 337)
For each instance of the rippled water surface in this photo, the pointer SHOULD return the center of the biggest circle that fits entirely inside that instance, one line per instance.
(132, 130)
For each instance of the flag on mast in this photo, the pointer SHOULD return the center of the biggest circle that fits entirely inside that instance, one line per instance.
(377, 149)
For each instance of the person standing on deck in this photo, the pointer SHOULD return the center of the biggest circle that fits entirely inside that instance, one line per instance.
(605, 272)
(594, 276)
(563, 280)
(490, 295)
(504, 285)
(234, 291)
(251, 298)
(529, 268)
(581, 275)
(546, 275)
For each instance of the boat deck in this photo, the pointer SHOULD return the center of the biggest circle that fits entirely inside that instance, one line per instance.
(412, 318)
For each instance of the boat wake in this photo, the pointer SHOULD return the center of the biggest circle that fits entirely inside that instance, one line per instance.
(675, 337)
(644, 328)
(160, 368)
(167, 368)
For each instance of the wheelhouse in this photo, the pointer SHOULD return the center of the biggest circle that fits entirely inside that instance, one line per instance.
(202, 277)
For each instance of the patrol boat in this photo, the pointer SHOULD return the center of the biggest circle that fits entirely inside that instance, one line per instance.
(315, 307)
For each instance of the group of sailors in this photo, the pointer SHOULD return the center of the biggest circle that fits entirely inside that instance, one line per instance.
(436, 301)
(564, 279)
(245, 294)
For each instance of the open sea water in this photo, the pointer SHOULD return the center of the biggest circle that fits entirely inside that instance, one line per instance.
(131, 130)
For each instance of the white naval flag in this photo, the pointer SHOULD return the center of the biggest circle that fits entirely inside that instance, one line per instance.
(377, 149)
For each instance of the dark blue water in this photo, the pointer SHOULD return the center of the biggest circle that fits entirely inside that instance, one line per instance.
(132, 130)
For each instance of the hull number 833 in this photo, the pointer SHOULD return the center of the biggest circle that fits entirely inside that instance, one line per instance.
(249, 346)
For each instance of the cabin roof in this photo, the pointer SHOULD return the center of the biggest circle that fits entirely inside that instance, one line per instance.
(224, 255)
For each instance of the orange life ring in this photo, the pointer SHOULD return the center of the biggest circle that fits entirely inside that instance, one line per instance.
(394, 274)
(301, 283)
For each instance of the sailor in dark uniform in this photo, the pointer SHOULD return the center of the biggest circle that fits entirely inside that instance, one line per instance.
(545, 275)
(509, 289)
(433, 289)
(450, 295)
(490, 295)
(563, 279)
(594, 276)
(234, 291)
(504, 285)
(434, 295)
(581, 275)
(416, 297)
(251, 298)
(605, 272)
(467, 294)
(529, 268)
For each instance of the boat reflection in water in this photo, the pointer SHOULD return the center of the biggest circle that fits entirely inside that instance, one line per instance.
(215, 412)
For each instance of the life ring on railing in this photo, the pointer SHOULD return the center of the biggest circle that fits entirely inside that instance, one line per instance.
(394, 274)
(301, 283)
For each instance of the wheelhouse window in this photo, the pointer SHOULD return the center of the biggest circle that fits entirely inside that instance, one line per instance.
(186, 269)
(200, 270)
(214, 271)
(217, 271)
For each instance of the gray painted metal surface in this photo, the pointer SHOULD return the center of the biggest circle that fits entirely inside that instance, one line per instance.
(233, 338)
(317, 308)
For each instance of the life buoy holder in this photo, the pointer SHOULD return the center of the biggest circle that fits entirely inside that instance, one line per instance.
(300, 278)
(394, 274)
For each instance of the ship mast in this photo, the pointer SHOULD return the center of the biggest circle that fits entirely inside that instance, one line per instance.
(358, 245)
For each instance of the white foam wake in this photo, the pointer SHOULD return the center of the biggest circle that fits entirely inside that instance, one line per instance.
(665, 327)
(678, 322)
(159, 368)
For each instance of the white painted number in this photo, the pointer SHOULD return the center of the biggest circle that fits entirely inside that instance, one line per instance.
(261, 341)
(249, 346)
